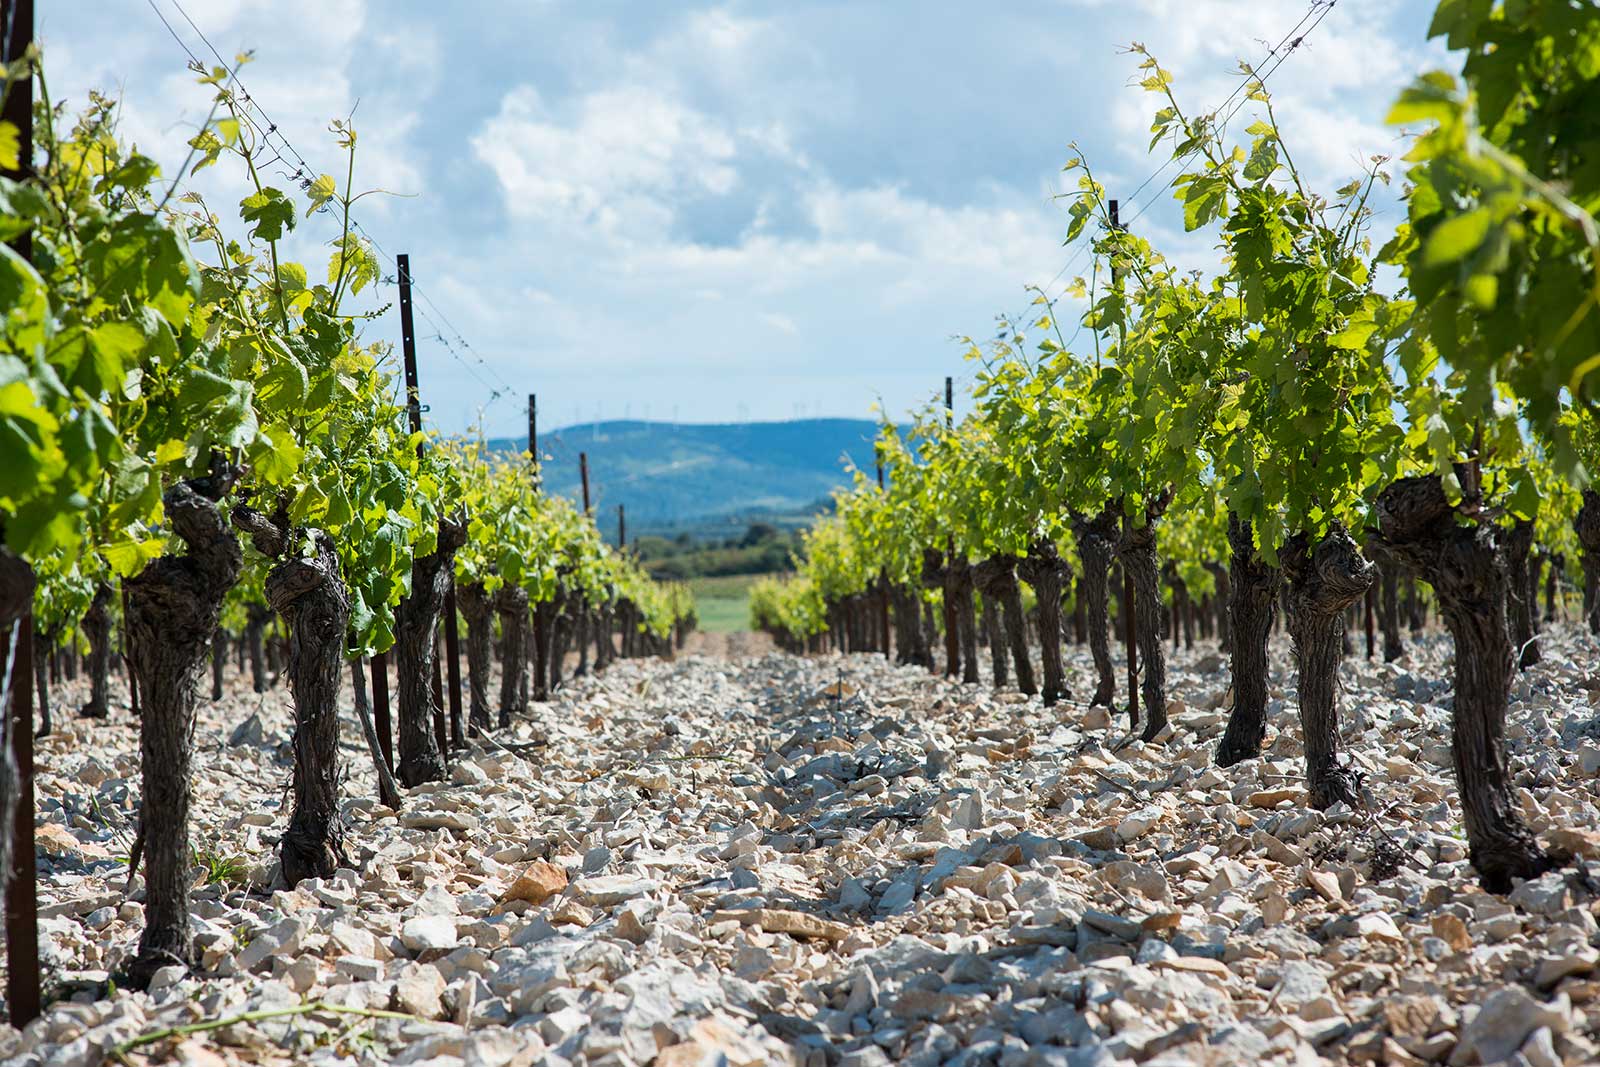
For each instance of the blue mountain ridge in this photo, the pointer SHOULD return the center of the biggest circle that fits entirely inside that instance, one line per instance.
(672, 474)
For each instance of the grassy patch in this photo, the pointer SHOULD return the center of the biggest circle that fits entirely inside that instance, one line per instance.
(221, 869)
(723, 603)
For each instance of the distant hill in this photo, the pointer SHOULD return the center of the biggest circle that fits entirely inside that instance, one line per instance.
(694, 476)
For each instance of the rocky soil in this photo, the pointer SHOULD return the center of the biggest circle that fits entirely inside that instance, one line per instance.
(837, 862)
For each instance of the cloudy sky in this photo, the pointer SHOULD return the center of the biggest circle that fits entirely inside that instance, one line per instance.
(730, 211)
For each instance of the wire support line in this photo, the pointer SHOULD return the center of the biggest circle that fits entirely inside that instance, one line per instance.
(1322, 6)
(1276, 56)
(1237, 89)
(272, 136)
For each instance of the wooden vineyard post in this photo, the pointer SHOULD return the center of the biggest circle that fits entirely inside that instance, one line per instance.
(21, 881)
(22, 900)
(380, 707)
(452, 640)
(883, 588)
(1131, 632)
(1129, 612)
(534, 652)
(622, 529)
(441, 729)
(1370, 612)
(952, 639)
(452, 662)
(602, 630)
(127, 661)
(533, 437)
(408, 347)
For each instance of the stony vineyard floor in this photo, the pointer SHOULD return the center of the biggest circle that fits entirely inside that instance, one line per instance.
(832, 861)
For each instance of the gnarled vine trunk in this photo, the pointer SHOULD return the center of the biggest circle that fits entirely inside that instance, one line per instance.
(1253, 588)
(309, 595)
(1080, 620)
(1180, 616)
(172, 612)
(1137, 551)
(97, 628)
(996, 577)
(562, 636)
(1536, 566)
(1516, 543)
(930, 634)
(908, 626)
(936, 575)
(511, 602)
(219, 660)
(544, 635)
(581, 635)
(476, 609)
(1097, 544)
(388, 792)
(1322, 581)
(17, 583)
(1587, 526)
(952, 614)
(966, 617)
(1394, 645)
(997, 645)
(1463, 564)
(1416, 610)
(1222, 605)
(256, 618)
(604, 650)
(1045, 571)
(421, 759)
(43, 650)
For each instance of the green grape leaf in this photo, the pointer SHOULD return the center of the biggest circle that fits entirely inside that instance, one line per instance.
(320, 192)
(1456, 238)
(271, 213)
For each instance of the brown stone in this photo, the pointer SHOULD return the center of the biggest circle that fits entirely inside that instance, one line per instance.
(538, 883)
(1009, 854)
(1195, 965)
(1271, 798)
(1410, 1016)
(571, 913)
(1452, 931)
(1565, 839)
(1103, 838)
(784, 921)
(926, 1005)
(57, 840)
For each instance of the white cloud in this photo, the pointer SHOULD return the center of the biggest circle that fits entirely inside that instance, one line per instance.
(618, 164)
(708, 207)
(781, 323)
(297, 82)
(1331, 90)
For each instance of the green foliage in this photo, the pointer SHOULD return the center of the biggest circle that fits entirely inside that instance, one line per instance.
(762, 550)
(1269, 389)
(1276, 369)
(221, 868)
(518, 535)
(787, 605)
(1499, 247)
(98, 344)
(128, 361)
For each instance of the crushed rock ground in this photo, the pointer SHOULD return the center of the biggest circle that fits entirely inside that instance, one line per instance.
(748, 857)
